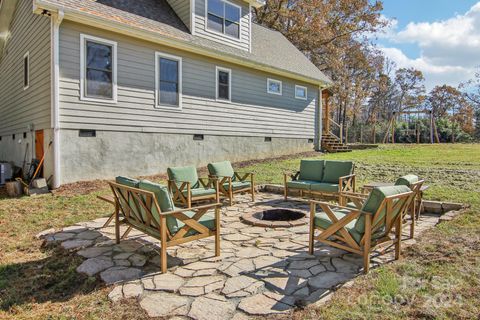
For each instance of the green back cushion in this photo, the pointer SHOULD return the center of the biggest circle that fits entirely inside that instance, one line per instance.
(184, 174)
(164, 200)
(374, 201)
(311, 170)
(406, 180)
(126, 181)
(221, 169)
(336, 169)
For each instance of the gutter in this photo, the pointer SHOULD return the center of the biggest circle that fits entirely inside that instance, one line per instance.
(118, 27)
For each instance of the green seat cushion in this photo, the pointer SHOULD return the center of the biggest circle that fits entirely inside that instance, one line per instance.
(373, 202)
(164, 200)
(324, 187)
(300, 184)
(126, 181)
(323, 221)
(334, 170)
(221, 169)
(239, 184)
(207, 220)
(184, 174)
(311, 170)
(198, 192)
(407, 180)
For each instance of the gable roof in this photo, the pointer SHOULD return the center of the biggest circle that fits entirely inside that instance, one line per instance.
(270, 49)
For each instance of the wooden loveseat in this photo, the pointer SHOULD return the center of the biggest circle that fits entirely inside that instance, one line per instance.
(322, 178)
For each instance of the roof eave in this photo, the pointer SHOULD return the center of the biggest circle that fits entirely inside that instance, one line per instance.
(104, 23)
(256, 3)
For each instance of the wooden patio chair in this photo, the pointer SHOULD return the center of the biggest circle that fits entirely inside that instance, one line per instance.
(231, 182)
(150, 209)
(356, 200)
(361, 230)
(186, 187)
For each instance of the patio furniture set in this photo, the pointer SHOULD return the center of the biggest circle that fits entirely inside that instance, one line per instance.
(358, 224)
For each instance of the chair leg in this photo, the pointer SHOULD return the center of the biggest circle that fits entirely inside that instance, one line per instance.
(398, 239)
(367, 243)
(312, 228)
(285, 188)
(109, 220)
(117, 226)
(217, 231)
(163, 244)
(413, 221)
(230, 195)
(252, 189)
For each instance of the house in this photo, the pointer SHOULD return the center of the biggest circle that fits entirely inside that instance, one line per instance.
(106, 87)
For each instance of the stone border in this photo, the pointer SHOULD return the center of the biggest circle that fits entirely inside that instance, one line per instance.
(249, 218)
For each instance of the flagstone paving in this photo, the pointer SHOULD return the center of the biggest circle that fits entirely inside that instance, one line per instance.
(261, 271)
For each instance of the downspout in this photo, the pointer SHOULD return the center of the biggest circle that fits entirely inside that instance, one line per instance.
(56, 20)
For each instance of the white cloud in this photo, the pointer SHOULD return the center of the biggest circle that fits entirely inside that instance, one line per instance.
(450, 49)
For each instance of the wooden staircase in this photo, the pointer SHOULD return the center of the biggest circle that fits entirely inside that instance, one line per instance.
(332, 144)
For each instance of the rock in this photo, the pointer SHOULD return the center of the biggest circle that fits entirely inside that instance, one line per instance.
(167, 282)
(94, 252)
(89, 235)
(305, 264)
(235, 237)
(116, 274)
(116, 294)
(138, 260)
(182, 272)
(317, 269)
(62, 236)
(284, 285)
(239, 267)
(207, 308)
(268, 261)
(76, 244)
(251, 252)
(241, 286)
(44, 233)
(206, 284)
(347, 266)
(202, 265)
(148, 284)
(74, 229)
(328, 279)
(260, 304)
(122, 263)
(95, 265)
(128, 246)
(163, 304)
(122, 256)
(132, 290)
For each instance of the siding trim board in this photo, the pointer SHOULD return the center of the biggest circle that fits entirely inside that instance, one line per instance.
(26, 70)
(159, 55)
(83, 42)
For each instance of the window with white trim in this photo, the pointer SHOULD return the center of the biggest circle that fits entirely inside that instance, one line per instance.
(98, 69)
(274, 86)
(26, 71)
(224, 84)
(168, 79)
(224, 17)
(301, 92)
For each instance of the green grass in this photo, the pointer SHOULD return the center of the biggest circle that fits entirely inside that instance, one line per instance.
(41, 283)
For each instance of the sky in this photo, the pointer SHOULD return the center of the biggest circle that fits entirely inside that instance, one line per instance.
(439, 37)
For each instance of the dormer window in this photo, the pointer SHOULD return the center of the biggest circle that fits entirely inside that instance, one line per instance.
(223, 17)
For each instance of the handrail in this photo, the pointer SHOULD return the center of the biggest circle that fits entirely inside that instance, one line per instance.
(339, 127)
(335, 123)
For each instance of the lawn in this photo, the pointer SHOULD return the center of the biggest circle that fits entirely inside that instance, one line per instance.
(438, 279)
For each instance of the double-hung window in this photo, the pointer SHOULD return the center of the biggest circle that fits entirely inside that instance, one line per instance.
(224, 17)
(168, 80)
(224, 84)
(98, 69)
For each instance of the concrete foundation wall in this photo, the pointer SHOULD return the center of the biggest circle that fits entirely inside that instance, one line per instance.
(113, 153)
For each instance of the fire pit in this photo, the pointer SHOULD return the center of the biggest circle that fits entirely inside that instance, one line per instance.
(275, 218)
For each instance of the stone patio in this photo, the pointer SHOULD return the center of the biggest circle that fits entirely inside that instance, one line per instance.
(261, 271)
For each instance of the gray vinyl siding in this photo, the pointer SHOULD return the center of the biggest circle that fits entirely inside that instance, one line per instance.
(202, 31)
(182, 9)
(19, 107)
(252, 112)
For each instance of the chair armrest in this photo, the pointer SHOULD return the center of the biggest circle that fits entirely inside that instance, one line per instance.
(292, 174)
(242, 176)
(347, 183)
(339, 207)
(207, 206)
(184, 185)
(208, 182)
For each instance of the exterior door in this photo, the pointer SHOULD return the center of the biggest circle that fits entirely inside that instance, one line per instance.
(39, 148)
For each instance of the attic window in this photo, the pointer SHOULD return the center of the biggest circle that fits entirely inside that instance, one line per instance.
(224, 17)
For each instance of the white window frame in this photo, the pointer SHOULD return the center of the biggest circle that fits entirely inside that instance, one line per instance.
(159, 55)
(83, 43)
(26, 55)
(306, 92)
(217, 69)
(273, 92)
(222, 33)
